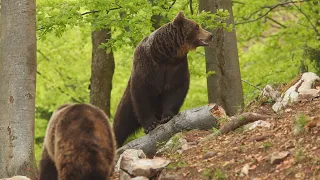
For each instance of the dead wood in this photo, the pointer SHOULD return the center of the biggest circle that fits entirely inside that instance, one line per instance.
(196, 118)
(236, 122)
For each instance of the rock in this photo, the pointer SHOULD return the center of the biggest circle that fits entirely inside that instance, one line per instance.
(269, 92)
(259, 123)
(140, 178)
(147, 167)
(165, 176)
(288, 110)
(245, 170)
(175, 144)
(291, 95)
(124, 175)
(308, 94)
(131, 155)
(209, 155)
(17, 178)
(277, 157)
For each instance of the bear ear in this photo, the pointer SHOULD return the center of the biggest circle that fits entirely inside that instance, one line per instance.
(178, 19)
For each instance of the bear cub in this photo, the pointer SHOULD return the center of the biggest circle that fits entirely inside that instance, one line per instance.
(79, 145)
(159, 79)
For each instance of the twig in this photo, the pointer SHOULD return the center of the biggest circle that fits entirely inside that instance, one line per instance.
(276, 22)
(270, 8)
(172, 4)
(305, 15)
(190, 5)
(251, 84)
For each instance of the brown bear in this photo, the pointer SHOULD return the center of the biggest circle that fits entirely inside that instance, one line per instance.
(79, 145)
(159, 79)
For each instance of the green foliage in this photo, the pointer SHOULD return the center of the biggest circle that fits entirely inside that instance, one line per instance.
(214, 174)
(272, 37)
(266, 145)
(299, 123)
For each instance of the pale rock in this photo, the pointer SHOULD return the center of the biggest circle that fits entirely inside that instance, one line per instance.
(124, 175)
(140, 178)
(245, 170)
(174, 146)
(268, 91)
(291, 95)
(147, 167)
(309, 94)
(165, 176)
(131, 155)
(288, 110)
(259, 123)
(277, 157)
(17, 178)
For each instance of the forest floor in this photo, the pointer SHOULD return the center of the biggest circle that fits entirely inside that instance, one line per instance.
(246, 154)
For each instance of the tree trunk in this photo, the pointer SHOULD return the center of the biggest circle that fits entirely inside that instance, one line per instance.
(102, 70)
(224, 87)
(17, 88)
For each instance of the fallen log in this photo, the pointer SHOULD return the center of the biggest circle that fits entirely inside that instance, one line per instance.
(236, 122)
(196, 118)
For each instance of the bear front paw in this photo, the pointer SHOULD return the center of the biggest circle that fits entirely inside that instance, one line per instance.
(151, 127)
(165, 119)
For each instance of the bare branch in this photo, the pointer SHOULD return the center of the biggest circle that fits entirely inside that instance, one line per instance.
(190, 5)
(251, 84)
(307, 17)
(270, 8)
(172, 4)
(273, 20)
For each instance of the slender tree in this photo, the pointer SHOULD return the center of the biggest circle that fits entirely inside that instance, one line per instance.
(224, 86)
(17, 88)
(102, 70)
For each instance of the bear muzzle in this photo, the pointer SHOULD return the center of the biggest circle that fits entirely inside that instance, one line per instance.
(204, 37)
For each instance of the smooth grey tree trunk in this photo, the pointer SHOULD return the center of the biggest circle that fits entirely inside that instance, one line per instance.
(102, 70)
(17, 88)
(224, 87)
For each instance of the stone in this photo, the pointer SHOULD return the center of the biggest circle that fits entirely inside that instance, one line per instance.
(124, 175)
(140, 178)
(259, 123)
(291, 95)
(209, 155)
(130, 156)
(245, 170)
(147, 167)
(308, 94)
(277, 157)
(17, 178)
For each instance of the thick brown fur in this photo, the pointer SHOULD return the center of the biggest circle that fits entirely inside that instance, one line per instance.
(159, 79)
(79, 145)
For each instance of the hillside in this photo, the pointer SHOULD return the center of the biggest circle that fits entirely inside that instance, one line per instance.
(292, 140)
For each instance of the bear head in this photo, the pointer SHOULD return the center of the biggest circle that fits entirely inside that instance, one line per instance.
(193, 35)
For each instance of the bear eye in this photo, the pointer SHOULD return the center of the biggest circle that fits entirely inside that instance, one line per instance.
(197, 27)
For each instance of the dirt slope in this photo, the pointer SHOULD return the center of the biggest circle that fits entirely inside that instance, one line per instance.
(226, 156)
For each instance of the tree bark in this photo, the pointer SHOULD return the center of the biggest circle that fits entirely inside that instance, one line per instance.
(17, 88)
(102, 70)
(197, 118)
(224, 87)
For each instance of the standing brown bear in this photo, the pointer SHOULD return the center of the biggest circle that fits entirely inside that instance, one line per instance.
(159, 79)
(79, 145)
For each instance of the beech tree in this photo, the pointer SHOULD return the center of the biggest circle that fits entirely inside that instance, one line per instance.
(102, 69)
(224, 85)
(17, 88)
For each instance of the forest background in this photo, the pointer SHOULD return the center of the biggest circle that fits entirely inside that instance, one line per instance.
(277, 40)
